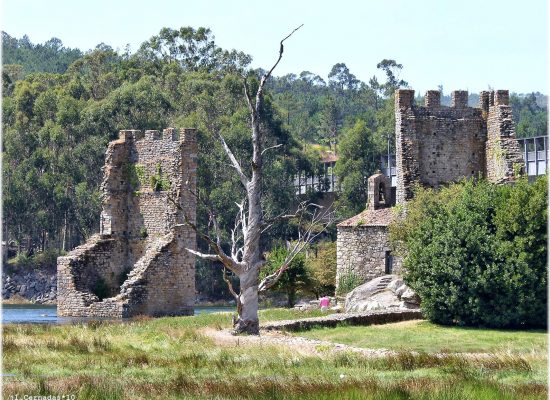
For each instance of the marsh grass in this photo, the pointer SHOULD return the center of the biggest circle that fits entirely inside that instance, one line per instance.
(170, 358)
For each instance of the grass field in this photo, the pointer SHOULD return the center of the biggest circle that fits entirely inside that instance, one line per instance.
(172, 358)
(427, 337)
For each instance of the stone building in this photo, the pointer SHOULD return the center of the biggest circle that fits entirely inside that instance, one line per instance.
(363, 250)
(435, 145)
(138, 264)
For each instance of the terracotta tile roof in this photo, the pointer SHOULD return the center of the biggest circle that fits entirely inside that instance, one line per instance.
(328, 156)
(369, 217)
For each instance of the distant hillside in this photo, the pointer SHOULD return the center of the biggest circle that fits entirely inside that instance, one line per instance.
(51, 56)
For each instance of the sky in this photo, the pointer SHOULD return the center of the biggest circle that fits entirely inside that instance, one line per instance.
(468, 44)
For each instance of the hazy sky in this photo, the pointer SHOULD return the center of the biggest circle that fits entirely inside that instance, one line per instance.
(466, 44)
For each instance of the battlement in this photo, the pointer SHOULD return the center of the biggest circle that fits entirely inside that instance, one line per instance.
(404, 98)
(437, 144)
(148, 184)
(168, 134)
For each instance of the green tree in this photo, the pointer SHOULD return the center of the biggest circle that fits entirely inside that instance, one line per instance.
(476, 253)
(321, 266)
(297, 277)
(392, 70)
(359, 158)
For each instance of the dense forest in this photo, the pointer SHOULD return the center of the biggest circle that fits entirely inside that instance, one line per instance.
(62, 106)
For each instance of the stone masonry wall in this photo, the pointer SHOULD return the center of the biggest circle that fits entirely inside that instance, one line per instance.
(437, 144)
(138, 261)
(361, 251)
(503, 156)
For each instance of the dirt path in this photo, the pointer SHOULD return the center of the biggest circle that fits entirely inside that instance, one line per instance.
(308, 347)
(301, 345)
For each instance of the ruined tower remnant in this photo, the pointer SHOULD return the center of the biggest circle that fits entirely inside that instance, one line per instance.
(138, 264)
(437, 144)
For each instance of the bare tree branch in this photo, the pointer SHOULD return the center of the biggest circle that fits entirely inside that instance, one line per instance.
(281, 49)
(224, 258)
(305, 238)
(236, 296)
(247, 95)
(269, 148)
(211, 257)
(234, 162)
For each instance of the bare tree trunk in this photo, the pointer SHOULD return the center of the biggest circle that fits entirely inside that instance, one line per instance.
(246, 261)
(248, 321)
(64, 238)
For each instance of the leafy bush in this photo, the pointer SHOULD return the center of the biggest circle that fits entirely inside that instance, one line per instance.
(46, 259)
(347, 282)
(321, 264)
(476, 253)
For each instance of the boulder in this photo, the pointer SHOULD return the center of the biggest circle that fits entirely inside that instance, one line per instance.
(385, 292)
(395, 284)
(409, 296)
(400, 290)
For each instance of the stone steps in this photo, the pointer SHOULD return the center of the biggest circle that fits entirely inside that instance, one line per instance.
(135, 277)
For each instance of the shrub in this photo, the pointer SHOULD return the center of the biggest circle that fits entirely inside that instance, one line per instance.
(347, 282)
(476, 253)
(321, 264)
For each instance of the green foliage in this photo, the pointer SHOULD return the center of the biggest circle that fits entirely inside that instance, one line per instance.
(358, 160)
(476, 253)
(159, 182)
(51, 56)
(100, 289)
(347, 282)
(134, 174)
(46, 259)
(531, 119)
(143, 232)
(321, 265)
(295, 279)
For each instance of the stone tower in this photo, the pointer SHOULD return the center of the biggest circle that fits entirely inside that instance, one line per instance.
(437, 144)
(138, 264)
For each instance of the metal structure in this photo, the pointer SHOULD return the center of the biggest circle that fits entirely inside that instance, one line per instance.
(535, 154)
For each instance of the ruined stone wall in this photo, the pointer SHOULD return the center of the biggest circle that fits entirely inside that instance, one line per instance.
(139, 258)
(361, 251)
(437, 144)
(503, 156)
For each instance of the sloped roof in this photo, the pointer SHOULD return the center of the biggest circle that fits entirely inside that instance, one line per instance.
(328, 156)
(369, 217)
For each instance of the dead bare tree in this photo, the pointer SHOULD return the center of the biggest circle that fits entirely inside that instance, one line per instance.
(245, 259)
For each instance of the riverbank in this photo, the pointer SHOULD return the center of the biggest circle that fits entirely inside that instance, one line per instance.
(196, 358)
(29, 286)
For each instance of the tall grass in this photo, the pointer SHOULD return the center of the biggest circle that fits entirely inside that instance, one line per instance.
(172, 358)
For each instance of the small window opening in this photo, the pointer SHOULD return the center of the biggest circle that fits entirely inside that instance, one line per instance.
(381, 193)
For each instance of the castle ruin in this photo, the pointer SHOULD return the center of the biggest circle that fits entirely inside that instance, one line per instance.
(435, 145)
(137, 264)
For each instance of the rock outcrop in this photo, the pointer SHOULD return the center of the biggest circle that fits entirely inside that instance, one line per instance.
(388, 292)
(36, 286)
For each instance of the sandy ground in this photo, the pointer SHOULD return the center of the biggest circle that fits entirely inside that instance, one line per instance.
(300, 345)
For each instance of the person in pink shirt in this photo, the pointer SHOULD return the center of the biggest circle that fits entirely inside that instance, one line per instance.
(324, 303)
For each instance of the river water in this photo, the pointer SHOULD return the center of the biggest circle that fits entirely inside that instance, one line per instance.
(42, 314)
